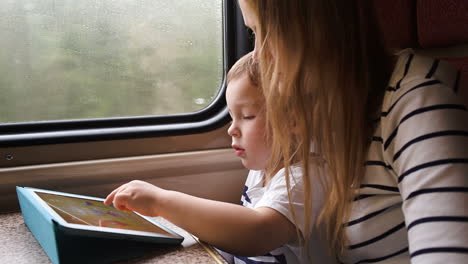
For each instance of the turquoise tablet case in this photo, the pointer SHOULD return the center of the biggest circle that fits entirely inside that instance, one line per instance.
(62, 247)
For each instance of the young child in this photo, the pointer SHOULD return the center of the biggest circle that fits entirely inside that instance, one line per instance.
(267, 223)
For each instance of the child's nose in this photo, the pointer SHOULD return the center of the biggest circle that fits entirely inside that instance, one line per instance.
(233, 131)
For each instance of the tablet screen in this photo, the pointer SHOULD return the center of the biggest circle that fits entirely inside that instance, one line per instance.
(95, 213)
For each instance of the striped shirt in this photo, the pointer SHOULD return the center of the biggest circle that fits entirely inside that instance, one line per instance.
(412, 205)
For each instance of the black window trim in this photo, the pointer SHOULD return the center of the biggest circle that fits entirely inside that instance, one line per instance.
(236, 44)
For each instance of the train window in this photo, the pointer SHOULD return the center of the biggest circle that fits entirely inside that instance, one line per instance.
(80, 71)
(63, 60)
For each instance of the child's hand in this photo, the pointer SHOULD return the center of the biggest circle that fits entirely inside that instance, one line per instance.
(137, 196)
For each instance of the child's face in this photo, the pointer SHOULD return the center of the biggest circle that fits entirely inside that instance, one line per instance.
(247, 130)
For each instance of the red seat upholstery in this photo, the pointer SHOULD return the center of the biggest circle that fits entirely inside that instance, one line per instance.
(427, 24)
(396, 20)
(442, 23)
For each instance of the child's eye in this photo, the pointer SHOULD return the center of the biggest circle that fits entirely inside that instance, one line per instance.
(249, 117)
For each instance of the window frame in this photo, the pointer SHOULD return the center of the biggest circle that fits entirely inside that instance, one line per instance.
(235, 44)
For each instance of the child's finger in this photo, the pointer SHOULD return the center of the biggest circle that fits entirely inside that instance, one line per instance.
(121, 201)
(110, 198)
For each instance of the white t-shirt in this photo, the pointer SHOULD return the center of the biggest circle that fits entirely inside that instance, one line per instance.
(274, 195)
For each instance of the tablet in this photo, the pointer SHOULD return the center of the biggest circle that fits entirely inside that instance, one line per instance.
(89, 216)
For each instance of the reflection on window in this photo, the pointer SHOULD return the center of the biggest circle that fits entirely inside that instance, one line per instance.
(83, 59)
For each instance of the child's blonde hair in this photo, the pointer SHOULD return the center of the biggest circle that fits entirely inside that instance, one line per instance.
(322, 71)
(245, 65)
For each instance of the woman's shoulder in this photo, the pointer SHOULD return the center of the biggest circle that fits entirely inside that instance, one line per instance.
(413, 68)
(418, 83)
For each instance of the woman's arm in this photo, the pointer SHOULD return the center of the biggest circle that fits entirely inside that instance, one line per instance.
(426, 144)
(232, 228)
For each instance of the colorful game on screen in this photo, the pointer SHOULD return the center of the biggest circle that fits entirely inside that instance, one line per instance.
(96, 213)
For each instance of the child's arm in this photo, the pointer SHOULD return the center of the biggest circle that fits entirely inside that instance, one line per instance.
(233, 228)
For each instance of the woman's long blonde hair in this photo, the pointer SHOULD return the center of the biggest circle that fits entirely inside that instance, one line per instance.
(324, 72)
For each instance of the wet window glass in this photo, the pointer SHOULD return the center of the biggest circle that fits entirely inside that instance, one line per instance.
(87, 59)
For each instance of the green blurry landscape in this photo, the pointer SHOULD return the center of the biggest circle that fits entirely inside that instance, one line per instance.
(81, 59)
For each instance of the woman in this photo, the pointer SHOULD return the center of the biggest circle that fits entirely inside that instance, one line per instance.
(390, 147)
